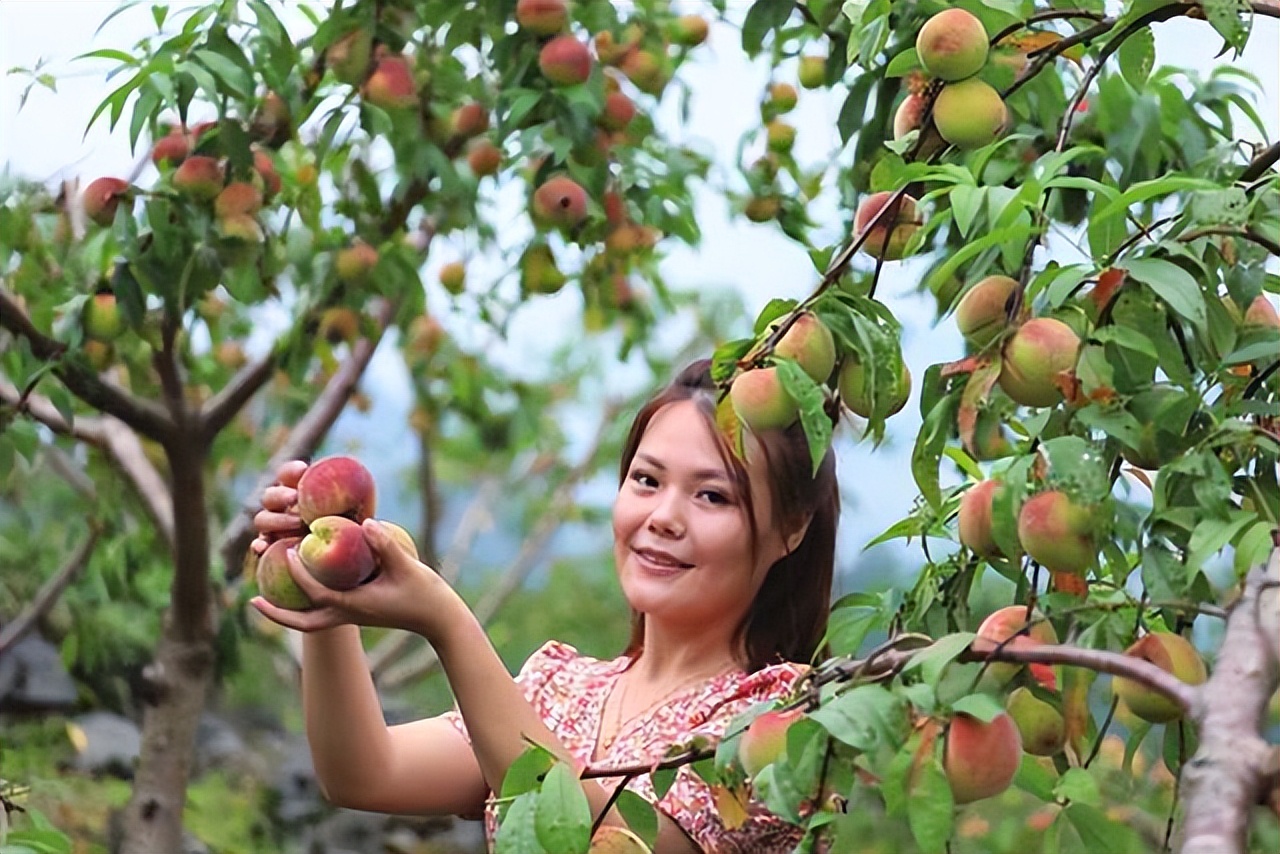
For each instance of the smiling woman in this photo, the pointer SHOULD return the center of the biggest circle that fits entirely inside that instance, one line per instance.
(726, 563)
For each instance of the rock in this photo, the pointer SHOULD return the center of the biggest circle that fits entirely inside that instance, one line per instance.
(111, 744)
(32, 678)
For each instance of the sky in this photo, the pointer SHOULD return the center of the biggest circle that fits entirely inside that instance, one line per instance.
(46, 140)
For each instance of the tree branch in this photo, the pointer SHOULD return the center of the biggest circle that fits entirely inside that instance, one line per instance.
(304, 438)
(1261, 163)
(1233, 765)
(144, 416)
(1233, 231)
(232, 397)
(49, 591)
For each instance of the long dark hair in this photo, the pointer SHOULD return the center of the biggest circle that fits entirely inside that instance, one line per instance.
(788, 618)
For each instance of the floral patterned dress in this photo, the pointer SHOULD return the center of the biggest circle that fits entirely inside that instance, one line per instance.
(569, 690)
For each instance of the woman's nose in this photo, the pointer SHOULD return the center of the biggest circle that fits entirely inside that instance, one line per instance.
(667, 518)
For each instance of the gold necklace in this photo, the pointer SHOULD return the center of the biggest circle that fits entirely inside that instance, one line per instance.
(618, 723)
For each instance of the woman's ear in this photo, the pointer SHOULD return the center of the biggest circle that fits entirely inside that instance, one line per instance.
(797, 536)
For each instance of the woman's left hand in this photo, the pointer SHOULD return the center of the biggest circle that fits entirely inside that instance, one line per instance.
(405, 594)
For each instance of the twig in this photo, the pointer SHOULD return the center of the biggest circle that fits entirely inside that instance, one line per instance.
(232, 397)
(1041, 17)
(1263, 161)
(613, 799)
(1233, 231)
(49, 591)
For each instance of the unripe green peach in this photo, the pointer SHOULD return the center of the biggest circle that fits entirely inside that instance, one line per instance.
(1172, 654)
(761, 402)
(889, 238)
(813, 71)
(981, 759)
(644, 70)
(565, 61)
(690, 30)
(952, 45)
(981, 314)
(765, 739)
(1057, 532)
(852, 385)
(1034, 358)
(1162, 412)
(762, 208)
(348, 57)
(989, 439)
(781, 136)
(539, 273)
(1041, 726)
(782, 97)
(969, 114)
(1009, 626)
(102, 319)
(810, 343)
(275, 584)
(454, 277)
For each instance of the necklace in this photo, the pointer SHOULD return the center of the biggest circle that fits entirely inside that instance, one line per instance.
(618, 724)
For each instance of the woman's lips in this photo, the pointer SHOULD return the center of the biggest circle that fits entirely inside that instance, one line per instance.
(660, 563)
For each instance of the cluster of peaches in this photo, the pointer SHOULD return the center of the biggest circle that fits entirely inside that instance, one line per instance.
(335, 495)
(982, 757)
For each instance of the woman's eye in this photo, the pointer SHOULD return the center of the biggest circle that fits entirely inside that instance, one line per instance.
(715, 497)
(642, 479)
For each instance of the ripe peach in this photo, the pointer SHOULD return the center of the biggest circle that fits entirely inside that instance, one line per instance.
(483, 157)
(1011, 622)
(355, 262)
(952, 45)
(781, 136)
(391, 85)
(402, 537)
(810, 343)
(239, 197)
(272, 123)
(348, 57)
(239, 230)
(981, 315)
(1262, 313)
(539, 273)
(1041, 350)
(336, 553)
(265, 167)
(454, 277)
(542, 17)
(102, 319)
(102, 197)
(974, 519)
(855, 395)
(470, 120)
(336, 486)
(275, 584)
(969, 114)
(813, 71)
(171, 149)
(618, 111)
(909, 115)
(760, 400)
(1041, 727)
(765, 739)
(560, 201)
(565, 61)
(200, 177)
(889, 238)
(1057, 532)
(645, 71)
(690, 30)
(1171, 653)
(611, 839)
(981, 759)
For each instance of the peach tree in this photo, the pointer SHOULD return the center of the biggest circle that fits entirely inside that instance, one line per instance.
(1105, 238)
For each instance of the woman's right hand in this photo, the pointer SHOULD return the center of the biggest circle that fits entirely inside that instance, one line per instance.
(279, 514)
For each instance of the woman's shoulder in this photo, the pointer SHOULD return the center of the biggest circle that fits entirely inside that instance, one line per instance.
(559, 657)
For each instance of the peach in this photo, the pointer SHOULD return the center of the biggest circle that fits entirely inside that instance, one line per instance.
(1262, 313)
(275, 584)
(424, 338)
(889, 238)
(272, 123)
(539, 273)
(336, 486)
(855, 395)
(265, 168)
(241, 230)
(974, 519)
(239, 197)
(611, 839)
(690, 30)
(762, 208)
(780, 136)
(355, 262)
(981, 759)
(542, 17)
(171, 149)
(969, 114)
(470, 120)
(810, 343)
(200, 177)
(565, 61)
(952, 45)
(560, 201)
(453, 276)
(618, 111)
(391, 85)
(765, 739)
(1009, 626)
(1057, 532)
(1171, 653)
(761, 402)
(1040, 351)
(981, 314)
(102, 197)
(812, 72)
(338, 324)
(402, 538)
(1041, 726)
(909, 115)
(348, 57)
(336, 553)
(782, 98)
(645, 71)
(102, 319)
(483, 157)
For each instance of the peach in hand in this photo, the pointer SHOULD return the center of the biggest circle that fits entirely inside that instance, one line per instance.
(336, 486)
(336, 553)
(274, 581)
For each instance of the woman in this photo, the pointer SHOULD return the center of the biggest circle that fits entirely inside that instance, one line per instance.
(727, 569)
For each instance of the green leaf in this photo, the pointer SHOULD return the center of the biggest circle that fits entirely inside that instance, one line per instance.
(639, 815)
(563, 816)
(1171, 283)
(1137, 57)
(1034, 778)
(930, 808)
(966, 202)
(866, 718)
(517, 832)
(927, 453)
(984, 707)
(902, 64)
(663, 779)
(1078, 786)
(1233, 19)
(813, 417)
(1097, 832)
(763, 17)
(526, 773)
(933, 659)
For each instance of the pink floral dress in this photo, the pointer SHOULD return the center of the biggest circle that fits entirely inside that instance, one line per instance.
(569, 690)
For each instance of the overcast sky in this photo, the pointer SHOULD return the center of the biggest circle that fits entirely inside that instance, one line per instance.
(46, 141)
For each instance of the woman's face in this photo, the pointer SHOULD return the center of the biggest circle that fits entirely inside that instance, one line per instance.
(682, 541)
